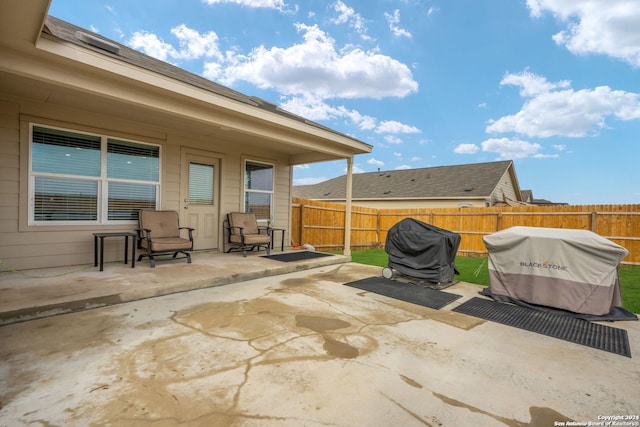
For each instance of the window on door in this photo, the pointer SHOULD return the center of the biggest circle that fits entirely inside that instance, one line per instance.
(201, 180)
(81, 178)
(258, 189)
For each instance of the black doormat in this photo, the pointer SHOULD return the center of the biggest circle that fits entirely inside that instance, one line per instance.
(578, 331)
(296, 256)
(407, 292)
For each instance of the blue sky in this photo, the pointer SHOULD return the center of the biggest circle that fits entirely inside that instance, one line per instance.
(553, 85)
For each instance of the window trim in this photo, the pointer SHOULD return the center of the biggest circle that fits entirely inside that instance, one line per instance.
(102, 179)
(272, 192)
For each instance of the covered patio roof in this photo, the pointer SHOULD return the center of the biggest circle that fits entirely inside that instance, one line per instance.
(49, 60)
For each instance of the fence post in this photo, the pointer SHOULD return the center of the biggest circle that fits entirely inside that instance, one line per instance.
(300, 242)
(594, 222)
(378, 228)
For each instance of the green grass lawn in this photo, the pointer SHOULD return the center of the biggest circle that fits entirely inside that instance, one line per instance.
(475, 270)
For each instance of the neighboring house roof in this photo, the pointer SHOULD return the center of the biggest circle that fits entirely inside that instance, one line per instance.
(527, 196)
(477, 180)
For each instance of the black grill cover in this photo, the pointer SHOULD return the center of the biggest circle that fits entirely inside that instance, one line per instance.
(421, 250)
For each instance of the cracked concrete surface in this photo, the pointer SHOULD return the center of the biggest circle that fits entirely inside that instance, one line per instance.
(301, 349)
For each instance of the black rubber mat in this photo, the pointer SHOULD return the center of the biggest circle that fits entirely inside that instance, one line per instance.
(296, 256)
(566, 328)
(616, 313)
(407, 292)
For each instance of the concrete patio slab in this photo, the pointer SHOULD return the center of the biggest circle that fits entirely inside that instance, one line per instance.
(302, 349)
(28, 295)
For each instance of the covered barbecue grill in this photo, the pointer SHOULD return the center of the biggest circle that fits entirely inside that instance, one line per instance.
(574, 270)
(423, 251)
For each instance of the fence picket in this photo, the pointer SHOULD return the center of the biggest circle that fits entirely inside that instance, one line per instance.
(322, 224)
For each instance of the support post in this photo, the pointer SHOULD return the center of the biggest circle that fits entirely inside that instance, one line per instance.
(347, 211)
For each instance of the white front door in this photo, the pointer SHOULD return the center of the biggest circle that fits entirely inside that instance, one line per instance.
(200, 197)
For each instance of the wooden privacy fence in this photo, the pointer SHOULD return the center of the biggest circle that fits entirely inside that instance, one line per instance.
(322, 224)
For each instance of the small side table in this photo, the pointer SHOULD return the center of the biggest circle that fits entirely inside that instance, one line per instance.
(273, 230)
(100, 253)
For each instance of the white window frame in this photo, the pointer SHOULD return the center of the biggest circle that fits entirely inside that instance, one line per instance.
(102, 180)
(271, 193)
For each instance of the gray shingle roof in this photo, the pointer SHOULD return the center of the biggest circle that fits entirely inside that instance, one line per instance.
(471, 180)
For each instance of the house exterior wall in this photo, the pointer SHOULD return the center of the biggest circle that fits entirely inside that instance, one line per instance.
(506, 189)
(24, 246)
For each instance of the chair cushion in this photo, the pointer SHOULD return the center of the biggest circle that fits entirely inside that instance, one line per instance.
(247, 221)
(167, 244)
(161, 223)
(251, 239)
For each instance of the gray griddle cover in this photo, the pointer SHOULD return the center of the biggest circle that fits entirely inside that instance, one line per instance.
(421, 250)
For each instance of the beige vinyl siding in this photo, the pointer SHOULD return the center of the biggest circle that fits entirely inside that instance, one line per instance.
(27, 247)
(505, 189)
(9, 172)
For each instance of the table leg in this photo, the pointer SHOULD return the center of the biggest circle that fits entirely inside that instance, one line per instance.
(133, 250)
(101, 253)
(126, 249)
(95, 251)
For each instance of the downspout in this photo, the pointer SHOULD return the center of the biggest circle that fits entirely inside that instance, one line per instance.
(347, 211)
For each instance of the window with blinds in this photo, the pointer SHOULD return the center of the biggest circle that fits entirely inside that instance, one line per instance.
(83, 178)
(258, 189)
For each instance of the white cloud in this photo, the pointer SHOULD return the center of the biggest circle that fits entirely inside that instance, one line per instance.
(554, 109)
(315, 108)
(314, 66)
(195, 45)
(466, 149)
(356, 169)
(192, 44)
(393, 21)
(559, 147)
(363, 122)
(403, 167)
(392, 126)
(346, 15)
(269, 4)
(395, 153)
(309, 181)
(305, 166)
(375, 162)
(532, 84)
(511, 148)
(416, 159)
(393, 139)
(608, 27)
(151, 45)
